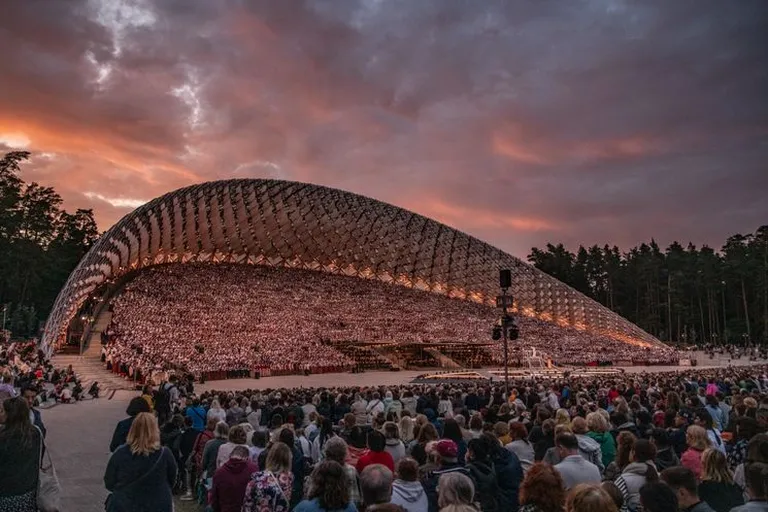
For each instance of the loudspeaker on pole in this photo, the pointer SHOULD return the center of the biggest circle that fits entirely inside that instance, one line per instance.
(505, 278)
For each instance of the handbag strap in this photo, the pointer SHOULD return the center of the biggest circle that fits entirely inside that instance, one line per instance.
(42, 451)
(145, 475)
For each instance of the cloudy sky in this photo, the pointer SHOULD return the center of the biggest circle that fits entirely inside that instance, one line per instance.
(519, 122)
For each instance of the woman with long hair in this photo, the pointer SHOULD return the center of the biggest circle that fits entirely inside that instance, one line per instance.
(270, 490)
(625, 441)
(717, 487)
(520, 444)
(406, 430)
(427, 433)
(697, 441)
(20, 448)
(328, 490)
(637, 473)
(542, 490)
(336, 450)
(140, 474)
(326, 432)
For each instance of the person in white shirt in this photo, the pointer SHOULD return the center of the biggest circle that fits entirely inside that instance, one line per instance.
(374, 407)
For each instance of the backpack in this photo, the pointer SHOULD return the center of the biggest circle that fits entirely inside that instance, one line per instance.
(163, 396)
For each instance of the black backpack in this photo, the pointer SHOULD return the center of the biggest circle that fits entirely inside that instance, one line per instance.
(163, 397)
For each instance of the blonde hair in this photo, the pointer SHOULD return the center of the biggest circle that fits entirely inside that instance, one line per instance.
(455, 489)
(579, 425)
(279, 458)
(596, 422)
(564, 428)
(562, 417)
(144, 435)
(406, 429)
(714, 467)
(589, 498)
(696, 437)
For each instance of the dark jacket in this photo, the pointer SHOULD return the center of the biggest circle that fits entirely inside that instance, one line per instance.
(229, 485)
(541, 447)
(509, 476)
(666, 458)
(721, 496)
(39, 421)
(19, 464)
(299, 468)
(430, 482)
(486, 486)
(150, 494)
(121, 433)
(187, 443)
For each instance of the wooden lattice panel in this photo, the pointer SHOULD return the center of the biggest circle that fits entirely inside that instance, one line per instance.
(297, 225)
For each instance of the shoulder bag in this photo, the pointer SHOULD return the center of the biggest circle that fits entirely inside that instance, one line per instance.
(48, 488)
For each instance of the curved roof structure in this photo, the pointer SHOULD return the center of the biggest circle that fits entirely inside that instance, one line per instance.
(289, 224)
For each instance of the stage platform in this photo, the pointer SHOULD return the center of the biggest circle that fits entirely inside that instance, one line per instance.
(388, 378)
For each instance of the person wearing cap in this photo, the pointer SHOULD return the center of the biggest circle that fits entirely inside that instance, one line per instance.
(445, 455)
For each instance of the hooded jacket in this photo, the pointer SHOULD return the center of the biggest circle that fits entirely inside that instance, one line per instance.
(486, 486)
(396, 449)
(590, 450)
(607, 446)
(229, 484)
(666, 458)
(410, 495)
(509, 476)
(630, 481)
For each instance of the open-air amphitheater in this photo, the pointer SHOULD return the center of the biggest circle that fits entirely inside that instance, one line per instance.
(261, 277)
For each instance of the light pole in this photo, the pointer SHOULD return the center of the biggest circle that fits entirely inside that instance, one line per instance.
(507, 328)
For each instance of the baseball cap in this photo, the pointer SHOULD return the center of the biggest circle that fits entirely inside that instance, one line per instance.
(447, 449)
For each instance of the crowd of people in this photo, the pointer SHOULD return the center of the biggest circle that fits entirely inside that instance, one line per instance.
(201, 318)
(24, 369)
(659, 442)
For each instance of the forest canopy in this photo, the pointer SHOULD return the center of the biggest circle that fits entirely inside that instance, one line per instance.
(680, 294)
(40, 244)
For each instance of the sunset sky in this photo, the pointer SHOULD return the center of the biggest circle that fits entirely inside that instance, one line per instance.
(519, 122)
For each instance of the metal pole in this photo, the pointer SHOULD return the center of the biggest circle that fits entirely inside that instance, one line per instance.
(506, 344)
(725, 322)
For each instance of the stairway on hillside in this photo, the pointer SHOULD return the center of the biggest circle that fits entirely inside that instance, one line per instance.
(88, 366)
(90, 369)
(93, 343)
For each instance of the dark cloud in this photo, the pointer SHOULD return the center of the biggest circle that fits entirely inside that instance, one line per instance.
(519, 122)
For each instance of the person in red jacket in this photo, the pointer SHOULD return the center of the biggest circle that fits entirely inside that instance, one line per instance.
(230, 481)
(376, 454)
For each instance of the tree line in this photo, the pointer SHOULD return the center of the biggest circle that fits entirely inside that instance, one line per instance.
(679, 294)
(40, 245)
